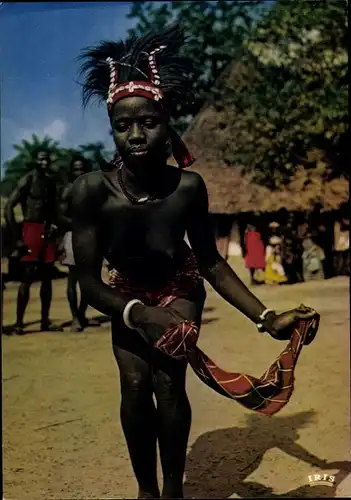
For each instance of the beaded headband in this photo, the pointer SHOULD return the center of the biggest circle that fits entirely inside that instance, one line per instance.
(150, 90)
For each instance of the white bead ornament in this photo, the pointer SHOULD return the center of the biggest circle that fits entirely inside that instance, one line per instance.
(114, 88)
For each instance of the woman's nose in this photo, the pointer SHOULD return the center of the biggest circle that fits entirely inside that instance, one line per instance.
(136, 133)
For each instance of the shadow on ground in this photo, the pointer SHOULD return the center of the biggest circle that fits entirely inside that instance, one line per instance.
(102, 319)
(220, 461)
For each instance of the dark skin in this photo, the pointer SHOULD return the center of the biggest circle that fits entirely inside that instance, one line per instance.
(147, 241)
(36, 194)
(79, 320)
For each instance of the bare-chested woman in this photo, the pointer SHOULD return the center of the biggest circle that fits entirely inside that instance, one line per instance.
(136, 214)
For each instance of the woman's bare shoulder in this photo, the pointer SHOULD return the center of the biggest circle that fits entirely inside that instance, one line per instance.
(86, 185)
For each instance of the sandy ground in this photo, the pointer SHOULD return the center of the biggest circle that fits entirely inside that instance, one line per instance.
(62, 437)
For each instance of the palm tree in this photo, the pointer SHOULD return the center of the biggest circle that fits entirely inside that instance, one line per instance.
(22, 162)
(96, 153)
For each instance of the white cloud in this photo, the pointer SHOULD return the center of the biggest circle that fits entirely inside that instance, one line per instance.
(56, 130)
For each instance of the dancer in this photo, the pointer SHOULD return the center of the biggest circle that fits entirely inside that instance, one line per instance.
(36, 194)
(135, 213)
(79, 165)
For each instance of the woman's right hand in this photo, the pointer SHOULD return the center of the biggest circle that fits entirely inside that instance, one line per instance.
(154, 320)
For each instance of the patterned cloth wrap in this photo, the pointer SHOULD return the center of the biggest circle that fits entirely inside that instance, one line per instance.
(267, 394)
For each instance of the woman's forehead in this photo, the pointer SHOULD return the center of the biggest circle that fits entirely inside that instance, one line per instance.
(135, 106)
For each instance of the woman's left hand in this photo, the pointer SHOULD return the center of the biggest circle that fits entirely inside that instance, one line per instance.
(284, 324)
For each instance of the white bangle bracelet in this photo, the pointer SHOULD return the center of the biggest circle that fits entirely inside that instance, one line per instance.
(264, 314)
(260, 326)
(126, 313)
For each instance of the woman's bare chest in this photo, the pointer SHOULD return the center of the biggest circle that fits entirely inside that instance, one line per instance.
(153, 226)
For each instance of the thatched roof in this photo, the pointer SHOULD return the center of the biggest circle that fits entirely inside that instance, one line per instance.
(230, 190)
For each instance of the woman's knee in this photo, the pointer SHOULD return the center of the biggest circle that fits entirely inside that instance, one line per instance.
(169, 384)
(134, 382)
(135, 372)
(29, 273)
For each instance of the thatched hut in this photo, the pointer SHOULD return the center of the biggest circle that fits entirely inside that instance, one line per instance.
(233, 196)
(211, 137)
(232, 191)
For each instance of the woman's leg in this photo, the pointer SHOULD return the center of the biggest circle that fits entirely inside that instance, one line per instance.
(173, 408)
(138, 412)
(72, 297)
(29, 271)
(252, 274)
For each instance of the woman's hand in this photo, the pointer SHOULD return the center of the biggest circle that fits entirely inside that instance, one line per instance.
(282, 325)
(153, 321)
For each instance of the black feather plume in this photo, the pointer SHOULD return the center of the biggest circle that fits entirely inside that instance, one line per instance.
(131, 57)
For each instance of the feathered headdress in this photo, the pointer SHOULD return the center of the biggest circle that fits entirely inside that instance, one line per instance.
(150, 66)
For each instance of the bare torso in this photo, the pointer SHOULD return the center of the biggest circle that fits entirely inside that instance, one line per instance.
(38, 198)
(144, 242)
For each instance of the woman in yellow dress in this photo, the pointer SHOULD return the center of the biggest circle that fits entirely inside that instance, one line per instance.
(274, 271)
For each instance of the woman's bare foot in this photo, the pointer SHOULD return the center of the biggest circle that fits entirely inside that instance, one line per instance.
(76, 326)
(85, 322)
(146, 494)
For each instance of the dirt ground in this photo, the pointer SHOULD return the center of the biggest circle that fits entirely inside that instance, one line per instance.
(61, 433)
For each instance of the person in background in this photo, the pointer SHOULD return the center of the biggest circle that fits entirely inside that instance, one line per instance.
(342, 245)
(321, 229)
(291, 251)
(79, 166)
(36, 243)
(254, 256)
(312, 260)
(274, 229)
(274, 270)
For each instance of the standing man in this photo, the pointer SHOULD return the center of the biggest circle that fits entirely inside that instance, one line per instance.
(291, 251)
(79, 166)
(37, 196)
(321, 227)
(136, 213)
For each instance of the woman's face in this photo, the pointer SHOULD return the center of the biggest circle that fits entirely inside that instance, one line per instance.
(140, 131)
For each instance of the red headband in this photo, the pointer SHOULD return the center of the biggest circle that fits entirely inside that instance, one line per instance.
(149, 90)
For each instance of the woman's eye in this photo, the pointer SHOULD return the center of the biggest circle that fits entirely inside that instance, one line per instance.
(150, 123)
(121, 126)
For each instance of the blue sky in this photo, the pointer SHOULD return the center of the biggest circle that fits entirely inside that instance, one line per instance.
(39, 43)
(39, 94)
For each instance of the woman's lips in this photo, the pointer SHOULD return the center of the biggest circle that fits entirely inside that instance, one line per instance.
(140, 152)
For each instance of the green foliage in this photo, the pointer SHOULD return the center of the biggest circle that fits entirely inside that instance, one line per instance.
(286, 95)
(26, 151)
(299, 100)
(22, 162)
(214, 31)
(96, 153)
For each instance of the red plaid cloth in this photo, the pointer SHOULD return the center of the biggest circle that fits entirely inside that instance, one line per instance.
(267, 394)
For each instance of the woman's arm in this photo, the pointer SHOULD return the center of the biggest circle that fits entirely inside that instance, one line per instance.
(87, 248)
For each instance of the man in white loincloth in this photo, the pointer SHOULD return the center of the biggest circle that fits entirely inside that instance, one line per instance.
(79, 166)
